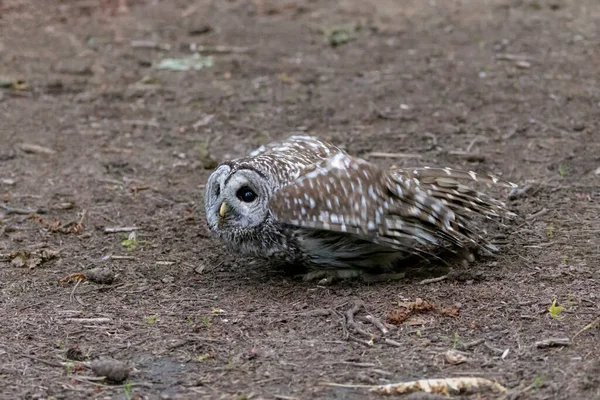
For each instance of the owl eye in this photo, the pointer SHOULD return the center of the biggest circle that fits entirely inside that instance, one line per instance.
(246, 194)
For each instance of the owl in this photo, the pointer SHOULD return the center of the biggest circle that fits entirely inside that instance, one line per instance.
(305, 202)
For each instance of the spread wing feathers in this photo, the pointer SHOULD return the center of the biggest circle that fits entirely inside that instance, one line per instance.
(349, 195)
(453, 174)
(443, 184)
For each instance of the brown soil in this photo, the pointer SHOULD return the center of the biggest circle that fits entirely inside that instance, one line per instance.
(512, 82)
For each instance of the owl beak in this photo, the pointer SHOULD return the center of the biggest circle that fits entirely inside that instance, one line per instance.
(223, 209)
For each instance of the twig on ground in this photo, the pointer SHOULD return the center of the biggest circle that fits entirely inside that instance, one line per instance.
(121, 229)
(595, 322)
(350, 319)
(471, 157)
(433, 280)
(72, 296)
(543, 211)
(150, 44)
(35, 149)
(469, 345)
(318, 312)
(84, 320)
(392, 342)
(142, 123)
(493, 349)
(22, 211)
(218, 49)
(354, 364)
(380, 325)
(553, 342)
(378, 154)
(512, 57)
(49, 363)
(357, 340)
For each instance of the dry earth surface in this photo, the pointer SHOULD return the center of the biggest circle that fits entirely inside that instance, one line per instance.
(94, 136)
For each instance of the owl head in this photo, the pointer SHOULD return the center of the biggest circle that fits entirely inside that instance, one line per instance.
(236, 200)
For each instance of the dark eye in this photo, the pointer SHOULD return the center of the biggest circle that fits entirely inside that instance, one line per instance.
(246, 195)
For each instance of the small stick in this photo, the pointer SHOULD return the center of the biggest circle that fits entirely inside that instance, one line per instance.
(121, 229)
(469, 345)
(149, 44)
(473, 157)
(355, 364)
(138, 122)
(350, 319)
(543, 211)
(22, 211)
(588, 326)
(553, 342)
(121, 257)
(377, 154)
(377, 323)
(392, 342)
(357, 340)
(493, 349)
(433, 280)
(99, 319)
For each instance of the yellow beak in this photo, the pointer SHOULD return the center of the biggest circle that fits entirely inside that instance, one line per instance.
(223, 209)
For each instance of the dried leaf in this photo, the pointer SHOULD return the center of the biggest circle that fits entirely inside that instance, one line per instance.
(398, 315)
(76, 277)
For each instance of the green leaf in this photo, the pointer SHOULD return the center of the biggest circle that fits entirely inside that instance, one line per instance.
(555, 310)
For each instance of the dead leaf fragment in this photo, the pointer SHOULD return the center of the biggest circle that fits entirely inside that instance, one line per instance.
(398, 315)
(75, 226)
(76, 277)
(409, 309)
(30, 259)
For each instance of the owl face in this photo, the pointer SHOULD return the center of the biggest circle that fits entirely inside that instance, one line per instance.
(236, 200)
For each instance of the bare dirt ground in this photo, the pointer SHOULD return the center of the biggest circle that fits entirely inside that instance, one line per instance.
(511, 83)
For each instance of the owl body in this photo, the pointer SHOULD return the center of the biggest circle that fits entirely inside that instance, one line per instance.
(306, 202)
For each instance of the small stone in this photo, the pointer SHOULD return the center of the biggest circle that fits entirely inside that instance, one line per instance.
(578, 126)
(103, 276)
(523, 64)
(114, 370)
(454, 357)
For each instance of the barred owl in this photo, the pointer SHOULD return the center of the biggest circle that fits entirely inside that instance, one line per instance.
(303, 201)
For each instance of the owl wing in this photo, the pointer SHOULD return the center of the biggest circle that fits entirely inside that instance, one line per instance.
(394, 208)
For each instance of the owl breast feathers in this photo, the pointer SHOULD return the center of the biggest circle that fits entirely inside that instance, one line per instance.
(305, 201)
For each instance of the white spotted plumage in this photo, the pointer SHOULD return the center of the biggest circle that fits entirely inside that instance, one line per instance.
(305, 201)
